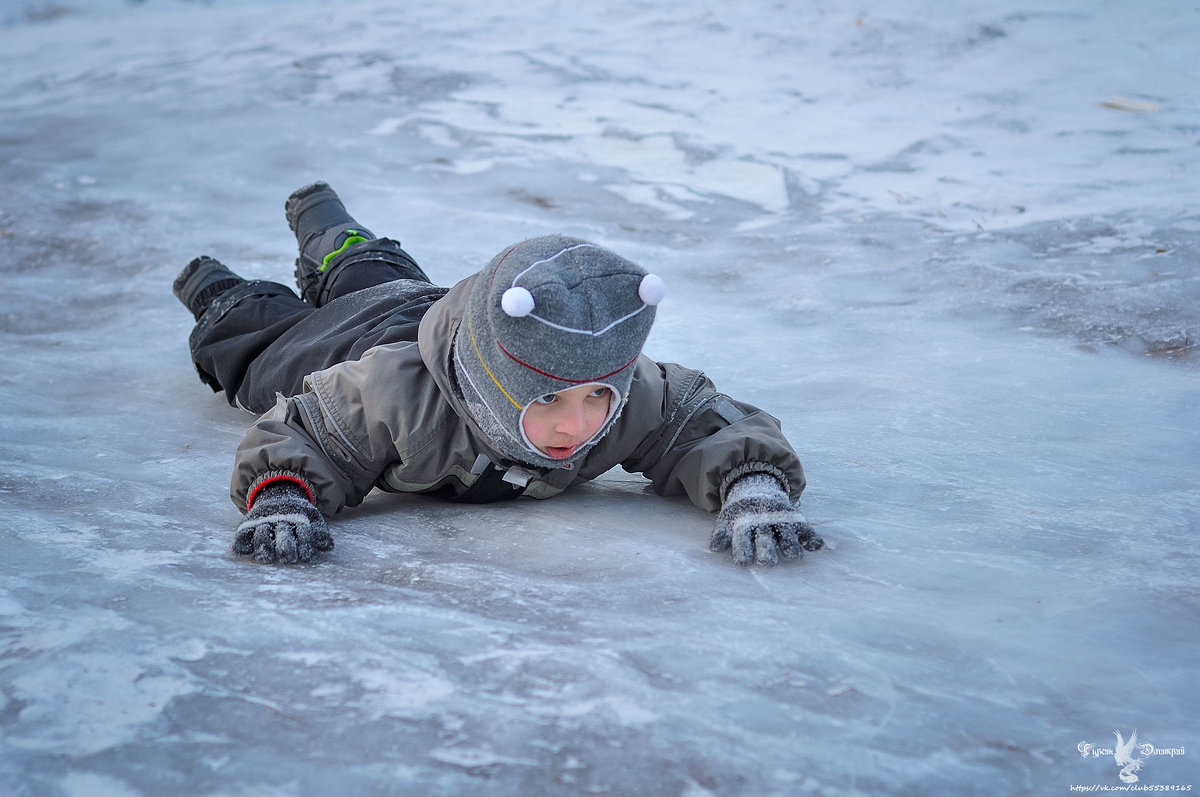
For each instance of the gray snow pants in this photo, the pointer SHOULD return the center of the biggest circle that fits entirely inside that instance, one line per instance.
(260, 338)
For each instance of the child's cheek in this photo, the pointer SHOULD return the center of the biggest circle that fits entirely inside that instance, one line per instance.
(534, 426)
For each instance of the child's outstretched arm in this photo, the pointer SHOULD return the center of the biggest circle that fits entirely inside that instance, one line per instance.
(317, 452)
(728, 457)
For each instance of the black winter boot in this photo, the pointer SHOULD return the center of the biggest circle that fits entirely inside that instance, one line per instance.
(337, 254)
(324, 229)
(201, 281)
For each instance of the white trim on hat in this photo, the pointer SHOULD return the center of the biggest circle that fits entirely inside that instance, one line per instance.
(594, 334)
(527, 313)
(614, 404)
(555, 256)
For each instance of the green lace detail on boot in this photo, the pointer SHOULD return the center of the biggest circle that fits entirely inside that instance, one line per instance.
(352, 237)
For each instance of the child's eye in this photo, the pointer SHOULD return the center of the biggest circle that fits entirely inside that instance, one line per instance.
(600, 392)
(549, 398)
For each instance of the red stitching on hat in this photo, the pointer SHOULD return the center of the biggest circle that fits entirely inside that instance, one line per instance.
(503, 257)
(563, 378)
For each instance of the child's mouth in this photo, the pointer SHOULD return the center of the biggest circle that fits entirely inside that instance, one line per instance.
(560, 452)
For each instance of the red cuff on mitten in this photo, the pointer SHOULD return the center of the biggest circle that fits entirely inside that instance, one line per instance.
(275, 477)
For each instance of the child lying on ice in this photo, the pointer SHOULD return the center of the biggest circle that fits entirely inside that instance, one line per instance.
(521, 380)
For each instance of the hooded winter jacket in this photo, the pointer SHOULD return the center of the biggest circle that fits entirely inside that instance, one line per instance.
(396, 420)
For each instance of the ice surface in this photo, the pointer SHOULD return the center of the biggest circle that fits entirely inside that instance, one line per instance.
(953, 246)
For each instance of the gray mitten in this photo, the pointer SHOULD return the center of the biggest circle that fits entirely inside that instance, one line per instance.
(283, 523)
(759, 522)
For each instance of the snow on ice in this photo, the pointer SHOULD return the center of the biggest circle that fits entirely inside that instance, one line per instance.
(954, 247)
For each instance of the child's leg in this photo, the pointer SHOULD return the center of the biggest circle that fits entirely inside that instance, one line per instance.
(341, 331)
(261, 339)
(239, 326)
(256, 339)
(337, 254)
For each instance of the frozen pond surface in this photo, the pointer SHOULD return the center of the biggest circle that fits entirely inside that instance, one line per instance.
(956, 250)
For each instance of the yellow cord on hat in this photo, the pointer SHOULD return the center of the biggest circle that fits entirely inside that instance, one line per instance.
(478, 354)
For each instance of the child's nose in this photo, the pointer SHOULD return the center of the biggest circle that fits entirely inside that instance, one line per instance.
(570, 420)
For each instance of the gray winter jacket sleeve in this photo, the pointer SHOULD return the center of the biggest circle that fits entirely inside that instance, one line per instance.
(341, 432)
(703, 439)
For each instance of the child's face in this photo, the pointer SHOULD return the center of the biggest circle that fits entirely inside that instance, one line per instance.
(559, 423)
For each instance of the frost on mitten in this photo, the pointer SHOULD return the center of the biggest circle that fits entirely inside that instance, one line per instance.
(283, 522)
(758, 522)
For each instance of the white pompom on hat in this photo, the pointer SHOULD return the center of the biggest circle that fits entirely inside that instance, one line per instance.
(652, 290)
(517, 302)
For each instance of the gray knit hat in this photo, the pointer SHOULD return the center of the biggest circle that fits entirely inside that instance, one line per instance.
(548, 314)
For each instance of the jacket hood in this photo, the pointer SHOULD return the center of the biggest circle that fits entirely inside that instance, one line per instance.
(435, 341)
